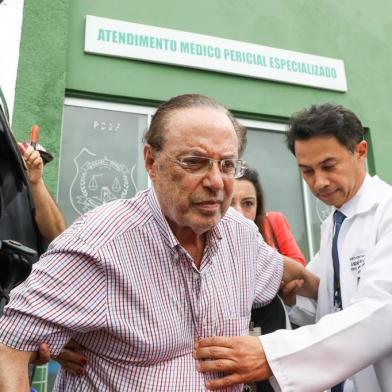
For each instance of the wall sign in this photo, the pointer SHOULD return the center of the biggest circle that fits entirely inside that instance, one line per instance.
(155, 44)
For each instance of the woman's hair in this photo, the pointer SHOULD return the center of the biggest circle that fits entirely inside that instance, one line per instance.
(253, 177)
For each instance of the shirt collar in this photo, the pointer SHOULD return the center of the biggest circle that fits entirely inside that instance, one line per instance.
(362, 201)
(168, 237)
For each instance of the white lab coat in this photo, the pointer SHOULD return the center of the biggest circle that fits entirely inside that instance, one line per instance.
(356, 342)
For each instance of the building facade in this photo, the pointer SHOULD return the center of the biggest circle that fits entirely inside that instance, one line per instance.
(91, 74)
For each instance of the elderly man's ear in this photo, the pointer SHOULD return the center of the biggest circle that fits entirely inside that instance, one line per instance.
(149, 161)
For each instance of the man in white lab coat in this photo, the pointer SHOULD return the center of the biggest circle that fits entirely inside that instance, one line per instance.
(346, 344)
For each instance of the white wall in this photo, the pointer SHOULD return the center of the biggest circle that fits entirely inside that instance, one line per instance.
(11, 14)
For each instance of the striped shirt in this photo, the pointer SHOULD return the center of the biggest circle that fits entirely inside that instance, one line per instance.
(120, 284)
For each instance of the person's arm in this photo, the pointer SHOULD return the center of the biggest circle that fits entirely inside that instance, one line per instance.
(293, 271)
(14, 369)
(298, 358)
(354, 338)
(69, 358)
(56, 299)
(48, 217)
(241, 357)
(302, 309)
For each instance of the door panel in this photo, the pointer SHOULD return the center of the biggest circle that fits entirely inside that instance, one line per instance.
(280, 178)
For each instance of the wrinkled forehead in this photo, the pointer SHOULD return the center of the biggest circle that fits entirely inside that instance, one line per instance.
(201, 126)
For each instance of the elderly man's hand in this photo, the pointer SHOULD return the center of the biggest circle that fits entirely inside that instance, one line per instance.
(241, 358)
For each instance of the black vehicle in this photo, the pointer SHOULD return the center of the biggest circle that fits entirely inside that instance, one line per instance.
(20, 240)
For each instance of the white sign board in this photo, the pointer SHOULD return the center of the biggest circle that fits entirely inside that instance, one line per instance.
(149, 43)
(11, 16)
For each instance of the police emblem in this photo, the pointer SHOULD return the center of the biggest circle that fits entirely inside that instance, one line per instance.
(97, 181)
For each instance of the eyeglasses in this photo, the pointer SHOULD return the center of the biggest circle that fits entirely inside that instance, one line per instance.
(233, 168)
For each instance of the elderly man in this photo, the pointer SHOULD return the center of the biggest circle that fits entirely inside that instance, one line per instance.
(136, 282)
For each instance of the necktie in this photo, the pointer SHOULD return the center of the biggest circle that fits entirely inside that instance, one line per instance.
(338, 218)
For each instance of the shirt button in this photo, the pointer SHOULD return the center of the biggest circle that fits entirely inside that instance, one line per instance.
(196, 275)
